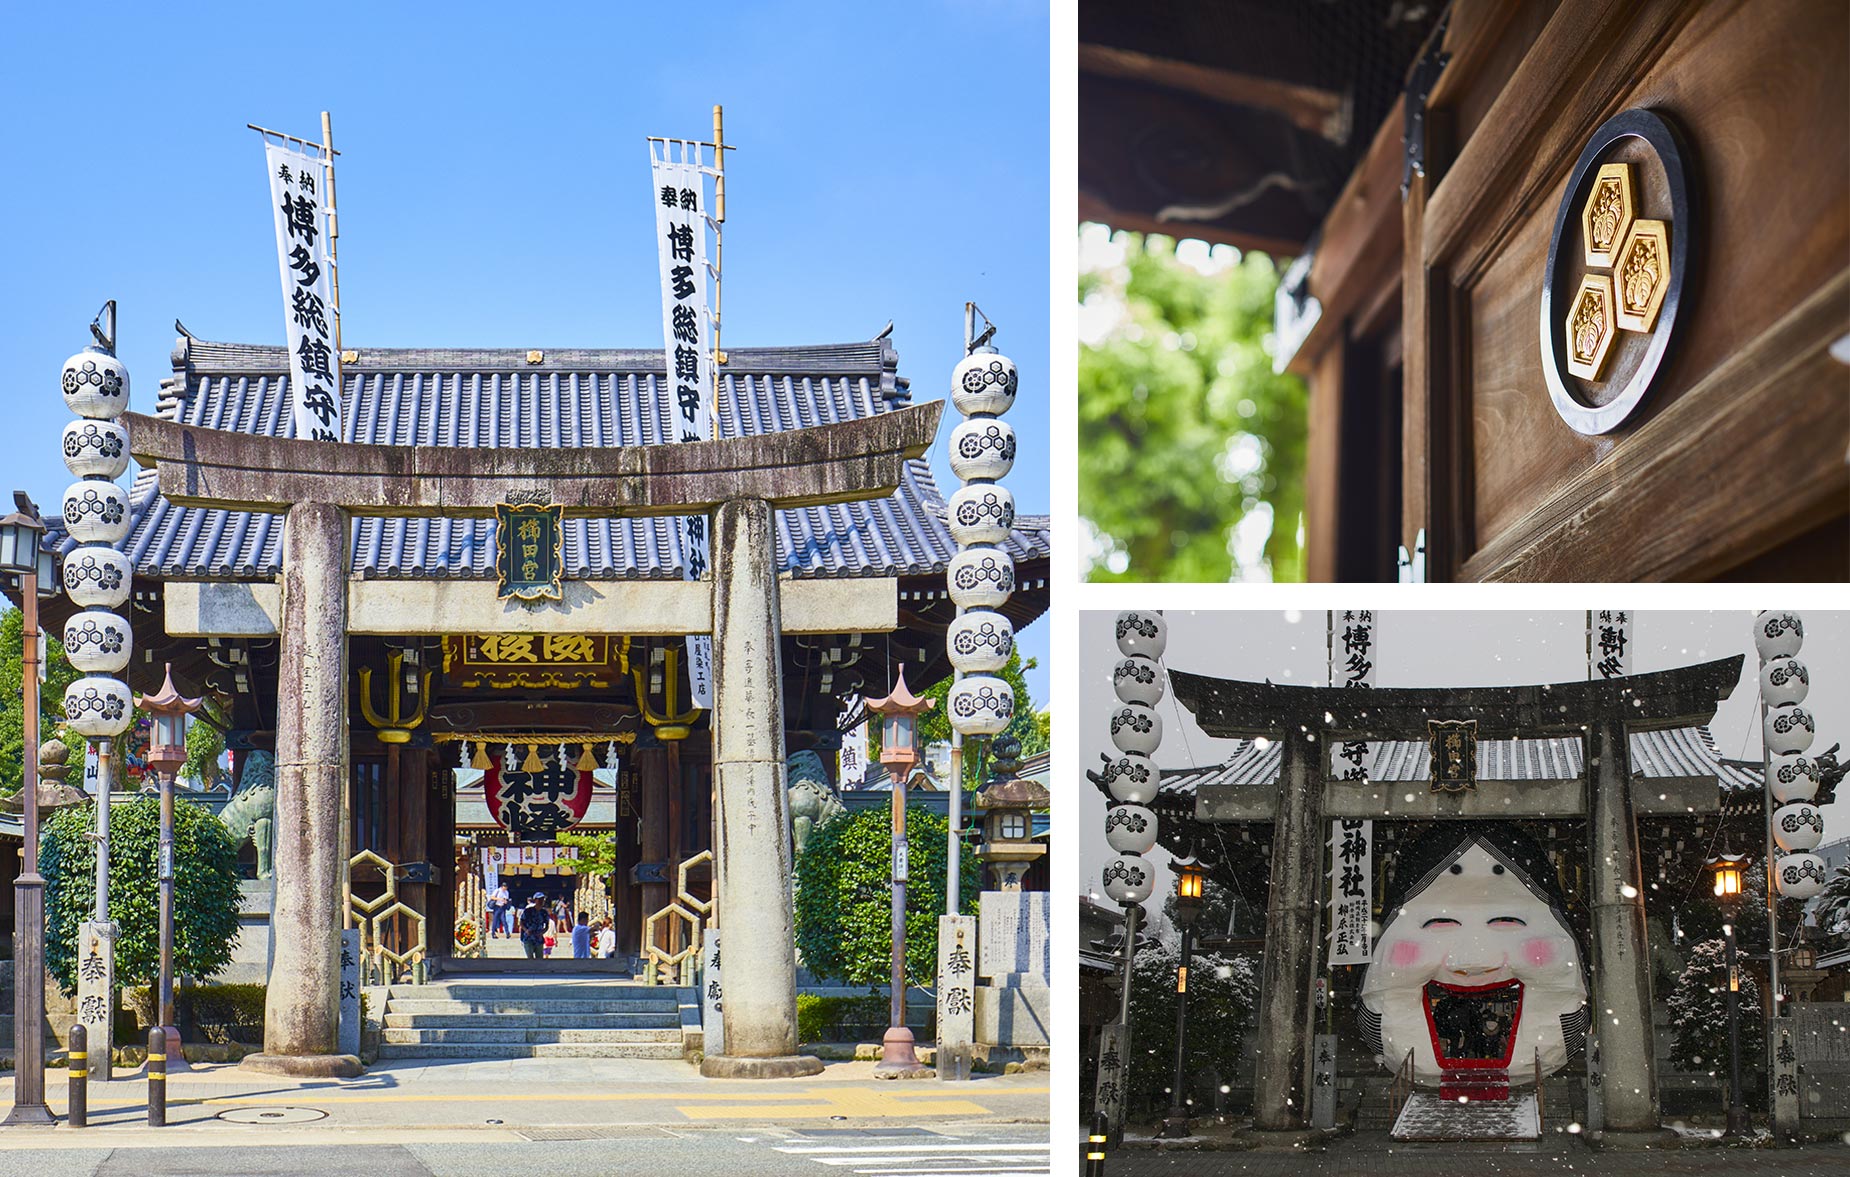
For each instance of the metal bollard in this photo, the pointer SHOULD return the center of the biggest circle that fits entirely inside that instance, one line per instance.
(1095, 1147)
(157, 1078)
(79, 1091)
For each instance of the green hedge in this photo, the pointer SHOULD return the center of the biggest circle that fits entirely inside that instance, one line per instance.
(839, 1019)
(216, 1013)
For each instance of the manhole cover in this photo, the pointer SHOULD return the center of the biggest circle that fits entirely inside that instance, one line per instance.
(272, 1115)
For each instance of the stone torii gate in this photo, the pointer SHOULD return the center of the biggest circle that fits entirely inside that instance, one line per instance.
(1308, 721)
(738, 482)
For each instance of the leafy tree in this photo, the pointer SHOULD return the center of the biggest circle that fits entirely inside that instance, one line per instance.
(1833, 907)
(1222, 991)
(59, 673)
(597, 853)
(844, 912)
(205, 893)
(205, 743)
(1184, 429)
(1699, 1013)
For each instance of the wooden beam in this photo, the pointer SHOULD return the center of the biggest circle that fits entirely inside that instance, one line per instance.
(1312, 108)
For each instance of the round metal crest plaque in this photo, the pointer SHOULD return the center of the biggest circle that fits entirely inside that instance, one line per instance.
(1618, 267)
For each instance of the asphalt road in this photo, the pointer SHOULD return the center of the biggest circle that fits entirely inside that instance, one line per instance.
(1831, 1160)
(976, 1150)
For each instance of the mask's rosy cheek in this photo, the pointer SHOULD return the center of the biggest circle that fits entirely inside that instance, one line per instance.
(1538, 952)
(1404, 954)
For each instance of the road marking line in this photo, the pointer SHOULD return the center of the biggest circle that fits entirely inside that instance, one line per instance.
(849, 1148)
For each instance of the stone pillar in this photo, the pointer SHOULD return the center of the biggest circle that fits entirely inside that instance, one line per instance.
(1621, 997)
(1279, 1100)
(301, 1013)
(752, 854)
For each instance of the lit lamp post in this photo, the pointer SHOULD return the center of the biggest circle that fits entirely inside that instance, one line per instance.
(1728, 869)
(1189, 878)
(899, 712)
(21, 556)
(166, 753)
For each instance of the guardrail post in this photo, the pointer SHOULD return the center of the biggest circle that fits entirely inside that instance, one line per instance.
(1095, 1147)
(157, 1078)
(78, 1058)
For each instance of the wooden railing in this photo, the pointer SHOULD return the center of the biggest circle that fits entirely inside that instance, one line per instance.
(1400, 1089)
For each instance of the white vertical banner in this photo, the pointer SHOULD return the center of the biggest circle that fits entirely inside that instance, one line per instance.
(1609, 643)
(851, 761)
(679, 193)
(1352, 655)
(297, 194)
(1352, 873)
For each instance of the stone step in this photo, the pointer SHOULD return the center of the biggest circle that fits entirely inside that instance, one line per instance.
(614, 1050)
(514, 1005)
(517, 1036)
(573, 1021)
(548, 991)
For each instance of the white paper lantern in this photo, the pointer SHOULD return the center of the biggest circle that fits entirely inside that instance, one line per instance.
(1798, 826)
(97, 576)
(1138, 679)
(981, 578)
(982, 448)
(1784, 680)
(980, 705)
(96, 512)
(983, 383)
(1778, 634)
(1131, 829)
(1792, 778)
(1789, 728)
(98, 642)
(980, 640)
(99, 707)
(96, 449)
(95, 385)
(1136, 728)
(1142, 633)
(1801, 875)
(981, 513)
(1129, 879)
(1132, 778)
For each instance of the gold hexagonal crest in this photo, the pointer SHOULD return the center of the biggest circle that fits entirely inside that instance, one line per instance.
(1641, 274)
(1608, 213)
(1590, 327)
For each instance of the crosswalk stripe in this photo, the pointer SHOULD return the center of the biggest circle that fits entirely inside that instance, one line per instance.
(806, 1149)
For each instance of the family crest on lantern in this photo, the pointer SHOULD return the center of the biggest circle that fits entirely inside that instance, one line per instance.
(1797, 825)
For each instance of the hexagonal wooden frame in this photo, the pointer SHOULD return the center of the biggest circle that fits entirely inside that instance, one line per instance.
(703, 906)
(1591, 367)
(659, 959)
(1611, 176)
(1654, 235)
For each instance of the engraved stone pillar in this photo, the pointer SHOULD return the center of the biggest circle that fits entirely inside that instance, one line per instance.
(752, 856)
(301, 1014)
(1621, 998)
(1290, 925)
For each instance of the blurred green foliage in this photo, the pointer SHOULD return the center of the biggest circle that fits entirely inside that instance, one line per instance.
(1184, 429)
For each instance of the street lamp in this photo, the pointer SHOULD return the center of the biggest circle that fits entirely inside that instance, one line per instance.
(1189, 878)
(168, 710)
(1728, 869)
(21, 556)
(899, 712)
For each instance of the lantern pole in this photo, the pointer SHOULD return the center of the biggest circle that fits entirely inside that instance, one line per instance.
(29, 888)
(899, 712)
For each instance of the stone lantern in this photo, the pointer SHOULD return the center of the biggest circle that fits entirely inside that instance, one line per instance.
(1008, 827)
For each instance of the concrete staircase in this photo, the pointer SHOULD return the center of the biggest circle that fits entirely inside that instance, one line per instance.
(519, 1017)
(1431, 1117)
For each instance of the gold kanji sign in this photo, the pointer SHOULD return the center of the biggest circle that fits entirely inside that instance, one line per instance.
(1454, 754)
(534, 659)
(529, 550)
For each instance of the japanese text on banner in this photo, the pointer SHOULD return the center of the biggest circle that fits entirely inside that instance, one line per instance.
(679, 193)
(302, 252)
(1352, 856)
(1609, 644)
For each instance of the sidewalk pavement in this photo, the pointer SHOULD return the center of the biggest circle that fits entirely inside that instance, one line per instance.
(464, 1096)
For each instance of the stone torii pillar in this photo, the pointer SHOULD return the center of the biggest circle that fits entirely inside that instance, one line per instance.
(320, 485)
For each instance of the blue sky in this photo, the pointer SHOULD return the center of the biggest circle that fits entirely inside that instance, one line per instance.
(494, 185)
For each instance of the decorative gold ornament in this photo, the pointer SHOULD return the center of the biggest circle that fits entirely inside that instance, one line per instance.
(395, 726)
(1590, 327)
(1608, 214)
(1642, 274)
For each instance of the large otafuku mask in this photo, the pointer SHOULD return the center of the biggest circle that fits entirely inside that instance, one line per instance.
(1476, 969)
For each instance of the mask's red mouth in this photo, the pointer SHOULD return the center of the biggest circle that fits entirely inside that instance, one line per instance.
(1473, 1026)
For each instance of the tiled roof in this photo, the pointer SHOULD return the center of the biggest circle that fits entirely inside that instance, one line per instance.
(1684, 753)
(570, 398)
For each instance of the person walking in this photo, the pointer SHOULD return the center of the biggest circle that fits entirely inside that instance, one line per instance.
(581, 938)
(499, 904)
(535, 921)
